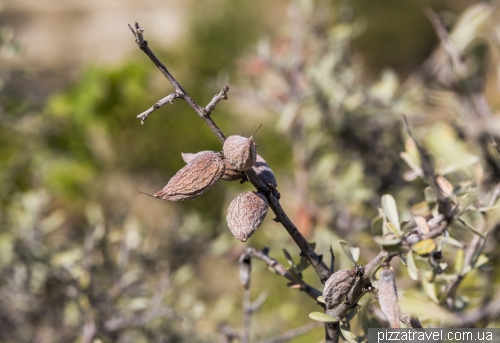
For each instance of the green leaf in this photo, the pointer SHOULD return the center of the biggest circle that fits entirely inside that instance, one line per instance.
(471, 228)
(355, 254)
(459, 261)
(424, 247)
(482, 259)
(392, 229)
(430, 195)
(321, 299)
(430, 289)
(391, 210)
(323, 317)
(347, 251)
(410, 264)
(377, 226)
(388, 244)
(347, 334)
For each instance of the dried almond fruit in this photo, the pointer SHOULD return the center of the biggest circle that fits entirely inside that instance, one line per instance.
(229, 174)
(240, 152)
(339, 285)
(197, 177)
(188, 157)
(388, 297)
(246, 213)
(265, 172)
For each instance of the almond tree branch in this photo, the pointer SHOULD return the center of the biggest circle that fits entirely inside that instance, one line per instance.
(143, 45)
(169, 99)
(316, 261)
(281, 270)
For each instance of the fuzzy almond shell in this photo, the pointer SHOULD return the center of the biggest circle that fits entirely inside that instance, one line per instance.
(197, 177)
(337, 287)
(265, 172)
(240, 152)
(229, 174)
(246, 213)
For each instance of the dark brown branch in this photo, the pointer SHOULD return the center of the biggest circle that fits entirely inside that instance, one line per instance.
(281, 270)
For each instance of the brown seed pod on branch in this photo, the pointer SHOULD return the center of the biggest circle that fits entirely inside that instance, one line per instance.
(339, 285)
(388, 297)
(229, 174)
(239, 152)
(265, 172)
(197, 177)
(246, 213)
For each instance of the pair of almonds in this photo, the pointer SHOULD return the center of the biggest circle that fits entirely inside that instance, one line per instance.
(260, 167)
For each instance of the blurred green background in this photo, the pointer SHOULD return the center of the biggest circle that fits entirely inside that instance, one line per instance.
(85, 258)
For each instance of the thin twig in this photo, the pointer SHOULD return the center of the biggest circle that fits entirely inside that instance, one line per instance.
(281, 270)
(169, 99)
(222, 95)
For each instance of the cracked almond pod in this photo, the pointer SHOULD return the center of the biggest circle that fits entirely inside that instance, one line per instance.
(229, 174)
(246, 213)
(239, 152)
(265, 172)
(197, 177)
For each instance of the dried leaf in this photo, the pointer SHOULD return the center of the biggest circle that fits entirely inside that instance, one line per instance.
(445, 185)
(422, 225)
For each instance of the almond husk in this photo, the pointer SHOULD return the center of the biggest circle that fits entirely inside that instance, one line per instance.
(197, 177)
(229, 174)
(246, 213)
(239, 152)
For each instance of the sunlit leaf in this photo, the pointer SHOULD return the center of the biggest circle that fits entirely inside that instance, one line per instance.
(410, 264)
(421, 209)
(391, 210)
(347, 251)
(429, 289)
(347, 334)
(430, 195)
(323, 317)
(321, 299)
(355, 251)
(424, 247)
